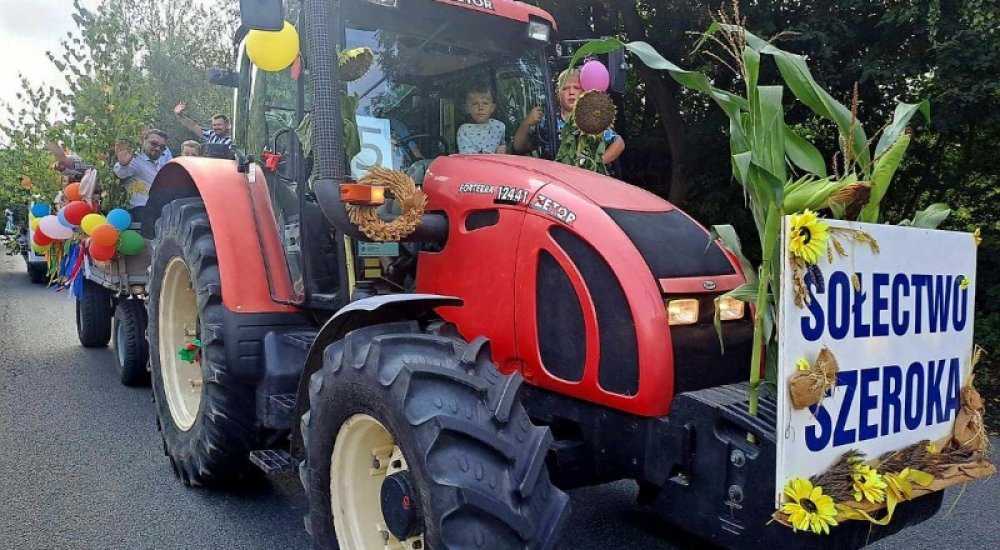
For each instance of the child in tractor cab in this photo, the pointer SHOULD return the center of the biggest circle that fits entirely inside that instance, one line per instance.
(483, 134)
(533, 126)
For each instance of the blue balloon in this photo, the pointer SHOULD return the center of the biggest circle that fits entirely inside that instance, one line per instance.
(40, 210)
(61, 216)
(119, 219)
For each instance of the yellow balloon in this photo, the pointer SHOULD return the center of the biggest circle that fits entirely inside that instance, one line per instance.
(273, 51)
(34, 223)
(90, 221)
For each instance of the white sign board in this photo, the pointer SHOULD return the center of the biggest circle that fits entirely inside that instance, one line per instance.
(375, 135)
(903, 343)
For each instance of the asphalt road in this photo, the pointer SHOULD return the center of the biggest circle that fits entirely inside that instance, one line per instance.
(81, 464)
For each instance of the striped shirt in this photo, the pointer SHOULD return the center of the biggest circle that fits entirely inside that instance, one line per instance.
(209, 136)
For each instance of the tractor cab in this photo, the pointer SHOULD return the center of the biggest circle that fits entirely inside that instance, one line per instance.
(403, 92)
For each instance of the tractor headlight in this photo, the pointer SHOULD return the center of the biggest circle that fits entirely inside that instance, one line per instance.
(538, 30)
(730, 308)
(682, 312)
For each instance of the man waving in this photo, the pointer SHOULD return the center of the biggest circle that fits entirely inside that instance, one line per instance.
(218, 133)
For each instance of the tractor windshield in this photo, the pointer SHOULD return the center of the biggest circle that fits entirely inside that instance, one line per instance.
(411, 103)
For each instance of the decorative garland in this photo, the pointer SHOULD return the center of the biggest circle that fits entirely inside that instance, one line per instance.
(411, 200)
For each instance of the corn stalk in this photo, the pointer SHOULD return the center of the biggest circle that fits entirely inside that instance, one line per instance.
(765, 150)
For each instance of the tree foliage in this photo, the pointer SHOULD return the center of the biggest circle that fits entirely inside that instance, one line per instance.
(126, 65)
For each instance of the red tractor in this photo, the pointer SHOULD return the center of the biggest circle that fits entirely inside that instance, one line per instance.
(543, 328)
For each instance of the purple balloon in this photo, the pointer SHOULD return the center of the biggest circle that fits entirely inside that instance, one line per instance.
(594, 76)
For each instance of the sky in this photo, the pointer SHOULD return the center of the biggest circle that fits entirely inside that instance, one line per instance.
(28, 28)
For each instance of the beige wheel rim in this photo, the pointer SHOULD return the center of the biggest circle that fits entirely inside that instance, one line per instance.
(364, 454)
(178, 325)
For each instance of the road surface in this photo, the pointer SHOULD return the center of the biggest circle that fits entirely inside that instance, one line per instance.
(81, 464)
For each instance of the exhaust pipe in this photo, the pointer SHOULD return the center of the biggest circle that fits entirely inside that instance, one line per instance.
(323, 25)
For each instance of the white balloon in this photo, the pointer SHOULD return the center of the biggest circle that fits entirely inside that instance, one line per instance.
(51, 227)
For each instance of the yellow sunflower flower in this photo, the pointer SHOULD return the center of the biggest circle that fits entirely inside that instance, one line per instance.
(802, 364)
(807, 236)
(808, 508)
(868, 483)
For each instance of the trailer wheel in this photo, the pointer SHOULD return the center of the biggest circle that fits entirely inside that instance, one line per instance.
(205, 415)
(93, 315)
(415, 440)
(129, 330)
(36, 273)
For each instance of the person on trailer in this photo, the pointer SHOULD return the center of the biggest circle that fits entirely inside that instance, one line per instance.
(138, 170)
(219, 133)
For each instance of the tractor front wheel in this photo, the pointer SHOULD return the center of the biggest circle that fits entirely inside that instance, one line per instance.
(415, 440)
(129, 329)
(205, 415)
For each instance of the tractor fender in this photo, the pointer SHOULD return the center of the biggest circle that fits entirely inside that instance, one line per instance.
(249, 251)
(362, 313)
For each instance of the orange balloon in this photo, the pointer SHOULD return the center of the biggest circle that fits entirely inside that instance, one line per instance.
(104, 235)
(72, 192)
(101, 253)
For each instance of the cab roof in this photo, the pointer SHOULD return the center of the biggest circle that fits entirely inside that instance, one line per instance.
(508, 9)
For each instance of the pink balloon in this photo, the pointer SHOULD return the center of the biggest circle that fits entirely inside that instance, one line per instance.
(51, 227)
(594, 76)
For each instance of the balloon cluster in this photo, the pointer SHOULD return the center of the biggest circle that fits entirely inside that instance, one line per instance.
(108, 235)
(273, 51)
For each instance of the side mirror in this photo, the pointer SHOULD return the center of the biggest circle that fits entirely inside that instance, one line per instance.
(262, 15)
(223, 77)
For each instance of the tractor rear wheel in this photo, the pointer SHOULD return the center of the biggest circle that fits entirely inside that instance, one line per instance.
(205, 415)
(418, 434)
(131, 352)
(93, 315)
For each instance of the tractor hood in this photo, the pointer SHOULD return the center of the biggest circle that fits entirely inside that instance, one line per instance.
(676, 249)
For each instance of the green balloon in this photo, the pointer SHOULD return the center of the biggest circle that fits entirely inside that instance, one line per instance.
(130, 243)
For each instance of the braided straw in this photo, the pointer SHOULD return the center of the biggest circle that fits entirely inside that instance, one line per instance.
(412, 200)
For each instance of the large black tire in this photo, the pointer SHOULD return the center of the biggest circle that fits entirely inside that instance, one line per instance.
(93, 316)
(131, 351)
(215, 449)
(477, 462)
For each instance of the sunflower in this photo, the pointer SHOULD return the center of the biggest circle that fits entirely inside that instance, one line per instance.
(594, 112)
(802, 364)
(868, 483)
(808, 236)
(808, 508)
(354, 63)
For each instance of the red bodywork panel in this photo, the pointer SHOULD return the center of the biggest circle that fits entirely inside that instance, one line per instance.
(492, 268)
(244, 253)
(518, 11)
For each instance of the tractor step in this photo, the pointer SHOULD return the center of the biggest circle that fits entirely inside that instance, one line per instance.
(274, 461)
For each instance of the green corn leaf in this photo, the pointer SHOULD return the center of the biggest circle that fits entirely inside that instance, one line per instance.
(769, 135)
(727, 234)
(885, 168)
(930, 217)
(803, 154)
(810, 193)
(900, 118)
(747, 292)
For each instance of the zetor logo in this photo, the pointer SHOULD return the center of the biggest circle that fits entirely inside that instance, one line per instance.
(485, 4)
(553, 208)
